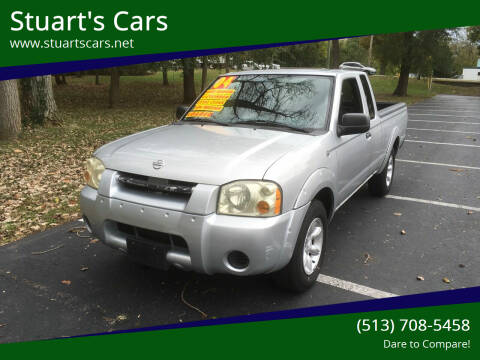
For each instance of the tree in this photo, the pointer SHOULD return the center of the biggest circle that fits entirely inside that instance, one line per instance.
(335, 55)
(386, 51)
(60, 79)
(265, 56)
(302, 55)
(424, 52)
(227, 63)
(204, 71)
(165, 74)
(97, 77)
(370, 49)
(10, 115)
(114, 87)
(465, 54)
(117, 72)
(443, 63)
(188, 80)
(38, 102)
(408, 43)
(354, 50)
(473, 34)
(432, 55)
(239, 58)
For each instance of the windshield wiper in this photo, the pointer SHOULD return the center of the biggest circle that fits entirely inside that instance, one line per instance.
(204, 121)
(270, 123)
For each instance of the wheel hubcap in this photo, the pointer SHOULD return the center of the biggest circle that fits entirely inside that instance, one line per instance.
(312, 248)
(389, 171)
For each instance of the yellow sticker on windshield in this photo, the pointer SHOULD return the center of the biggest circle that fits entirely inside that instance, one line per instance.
(214, 98)
(223, 82)
(228, 81)
(199, 114)
(209, 107)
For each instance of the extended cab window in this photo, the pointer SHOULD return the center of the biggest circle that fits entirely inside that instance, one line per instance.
(297, 101)
(350, 101)
(368, 94)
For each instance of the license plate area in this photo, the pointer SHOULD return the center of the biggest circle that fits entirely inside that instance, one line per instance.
(148, 252)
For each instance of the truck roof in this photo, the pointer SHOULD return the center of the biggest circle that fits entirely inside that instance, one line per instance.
(294, 71)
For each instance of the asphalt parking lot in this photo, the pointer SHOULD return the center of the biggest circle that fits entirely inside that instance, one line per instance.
(56, 283)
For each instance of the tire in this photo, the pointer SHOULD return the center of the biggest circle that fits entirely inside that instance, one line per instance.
(380, 184)
(297, 276)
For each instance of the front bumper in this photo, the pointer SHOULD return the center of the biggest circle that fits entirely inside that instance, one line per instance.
(267, 242)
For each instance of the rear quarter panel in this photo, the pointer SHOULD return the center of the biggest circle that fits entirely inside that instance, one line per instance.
(394, 122)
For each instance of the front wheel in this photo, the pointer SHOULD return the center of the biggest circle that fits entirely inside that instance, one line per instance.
(380, 184)
(303, 269)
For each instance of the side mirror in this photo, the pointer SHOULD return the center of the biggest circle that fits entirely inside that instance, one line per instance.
(353, 124)
(181, 110)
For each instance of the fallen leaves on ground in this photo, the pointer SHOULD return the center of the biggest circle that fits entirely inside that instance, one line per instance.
(446, 280)
(42, 172)
(420, 278)
(113, 321)
(66, 282)
(367, 257)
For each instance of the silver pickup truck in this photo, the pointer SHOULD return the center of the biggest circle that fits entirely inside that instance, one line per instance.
(248, 179)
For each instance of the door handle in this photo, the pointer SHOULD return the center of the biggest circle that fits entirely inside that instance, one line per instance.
(368, 135)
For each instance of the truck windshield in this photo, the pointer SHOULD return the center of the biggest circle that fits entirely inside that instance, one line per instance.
(293, 101)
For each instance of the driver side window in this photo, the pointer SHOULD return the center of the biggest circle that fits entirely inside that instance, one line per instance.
(351, 100)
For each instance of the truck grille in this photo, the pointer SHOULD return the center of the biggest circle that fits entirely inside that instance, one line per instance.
(156, 185)
(157, 237)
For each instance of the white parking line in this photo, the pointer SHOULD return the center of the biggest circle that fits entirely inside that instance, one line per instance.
(452, 111)
(431, 202)
(442, 143)
(451, 106)
(445, 122)
(447, 131)
(356, 288)
(472, 100)
(442, 108)
(438, 164)
(454, 116)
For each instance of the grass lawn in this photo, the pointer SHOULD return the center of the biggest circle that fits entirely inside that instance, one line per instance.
(42, 172)
(383, 87)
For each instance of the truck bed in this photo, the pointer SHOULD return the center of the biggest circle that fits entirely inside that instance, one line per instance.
(386, 108)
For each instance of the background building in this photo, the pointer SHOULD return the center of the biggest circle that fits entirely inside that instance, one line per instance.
(472, 73)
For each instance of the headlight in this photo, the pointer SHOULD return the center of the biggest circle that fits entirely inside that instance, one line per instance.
(250, 198)
(94, 169)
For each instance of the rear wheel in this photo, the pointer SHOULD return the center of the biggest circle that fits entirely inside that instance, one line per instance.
(380, 184)
(303, 269)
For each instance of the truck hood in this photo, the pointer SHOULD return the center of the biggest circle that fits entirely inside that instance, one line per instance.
(207, 154)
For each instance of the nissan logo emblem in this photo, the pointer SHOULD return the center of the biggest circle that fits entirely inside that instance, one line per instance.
(157, 165)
